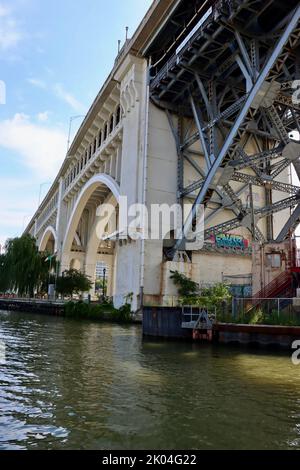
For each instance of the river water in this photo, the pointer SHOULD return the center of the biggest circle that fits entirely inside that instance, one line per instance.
(78, 385)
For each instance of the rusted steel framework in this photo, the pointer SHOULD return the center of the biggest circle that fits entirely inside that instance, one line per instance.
(230, 74)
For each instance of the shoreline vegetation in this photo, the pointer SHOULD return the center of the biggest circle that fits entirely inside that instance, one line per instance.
(98, 312)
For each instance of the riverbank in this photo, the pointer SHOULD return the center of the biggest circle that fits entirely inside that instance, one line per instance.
(55, 308)
(160, 322)
(166, 322)
(76, 310)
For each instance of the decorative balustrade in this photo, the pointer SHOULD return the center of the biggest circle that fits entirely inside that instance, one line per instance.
(47, 213)
(95, 149)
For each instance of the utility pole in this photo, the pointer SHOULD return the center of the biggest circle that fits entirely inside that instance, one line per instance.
(72, 118)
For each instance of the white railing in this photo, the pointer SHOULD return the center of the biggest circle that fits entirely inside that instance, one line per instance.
(47, 212)
(87, 160)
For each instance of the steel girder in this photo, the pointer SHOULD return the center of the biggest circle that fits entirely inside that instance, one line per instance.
(258, 213)
(290, 226)
(238, 86)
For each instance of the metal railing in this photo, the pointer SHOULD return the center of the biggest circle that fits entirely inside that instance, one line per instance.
(197, 317)
(270, 311)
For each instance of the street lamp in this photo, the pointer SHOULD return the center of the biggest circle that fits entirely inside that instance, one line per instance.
(73, 118)
(41, 187)
(104, 287)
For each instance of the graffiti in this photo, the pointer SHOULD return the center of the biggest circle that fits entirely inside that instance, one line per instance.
(230, 241)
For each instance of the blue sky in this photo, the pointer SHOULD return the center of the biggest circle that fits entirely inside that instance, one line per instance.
(54, 57)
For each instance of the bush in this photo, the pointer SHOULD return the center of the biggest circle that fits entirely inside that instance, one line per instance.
(123, 314)
(186, 287)
(257, 318)
(101, 312)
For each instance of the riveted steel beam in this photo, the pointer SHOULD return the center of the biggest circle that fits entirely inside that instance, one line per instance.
(238, 130)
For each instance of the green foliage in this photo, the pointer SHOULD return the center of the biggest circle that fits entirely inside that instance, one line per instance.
(260, 317)
(72, 282)
(216, 296)
(190, 294)
(256, 318)
(123, 315)
(98, 312)
(22, 268)
(128, 298)
(4, 274)
(186, 287)
(101, 286)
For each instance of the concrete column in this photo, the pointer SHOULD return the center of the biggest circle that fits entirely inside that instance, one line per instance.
(61, 221)
(90, 271)
(132, 76)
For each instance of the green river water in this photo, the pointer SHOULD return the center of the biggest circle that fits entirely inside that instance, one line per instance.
(79, 385)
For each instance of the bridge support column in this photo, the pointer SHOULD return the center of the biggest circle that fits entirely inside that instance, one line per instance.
(132, 76)
(90, 271)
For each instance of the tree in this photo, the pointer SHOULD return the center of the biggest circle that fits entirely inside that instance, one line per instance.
(216, 296)
(72, 282)
(4, 278)
(23, 268)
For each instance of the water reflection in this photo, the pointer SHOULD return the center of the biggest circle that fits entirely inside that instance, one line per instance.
(68, 384)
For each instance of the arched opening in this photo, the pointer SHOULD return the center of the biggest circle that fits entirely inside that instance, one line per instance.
(118, 115)
(48, 241)
(111, 124)
(105, 131)
(100, 139)
(85, 232)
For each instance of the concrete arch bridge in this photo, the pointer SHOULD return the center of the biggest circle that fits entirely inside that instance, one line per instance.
(202, 107)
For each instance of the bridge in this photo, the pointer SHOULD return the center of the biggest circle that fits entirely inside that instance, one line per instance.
(201, 107)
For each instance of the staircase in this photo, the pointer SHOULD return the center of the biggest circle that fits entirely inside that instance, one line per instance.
(280, 287)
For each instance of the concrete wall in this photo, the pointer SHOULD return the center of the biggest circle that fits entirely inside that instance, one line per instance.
(161, 189)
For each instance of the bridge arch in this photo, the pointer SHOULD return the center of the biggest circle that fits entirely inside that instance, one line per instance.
(87, 191)
(50, 233)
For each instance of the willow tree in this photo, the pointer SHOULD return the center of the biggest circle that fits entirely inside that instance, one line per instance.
(24, 266)
(4, 274)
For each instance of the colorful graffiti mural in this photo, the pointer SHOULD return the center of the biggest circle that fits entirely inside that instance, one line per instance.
(230, 241)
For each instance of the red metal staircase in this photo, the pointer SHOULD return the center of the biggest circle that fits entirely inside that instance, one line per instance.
(281, 286)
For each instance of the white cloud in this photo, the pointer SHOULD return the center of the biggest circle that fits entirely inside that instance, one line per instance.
(19, 200)
(43, 117)
(4, 10)
(10, 33)
(37, 83)
(40, 148)
(68, 98)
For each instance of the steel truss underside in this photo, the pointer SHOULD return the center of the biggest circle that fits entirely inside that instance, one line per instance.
(233, 81)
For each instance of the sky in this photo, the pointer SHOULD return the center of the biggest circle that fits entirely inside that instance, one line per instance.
(54, 57)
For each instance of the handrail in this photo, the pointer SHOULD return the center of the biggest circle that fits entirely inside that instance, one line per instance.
(279, 282)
